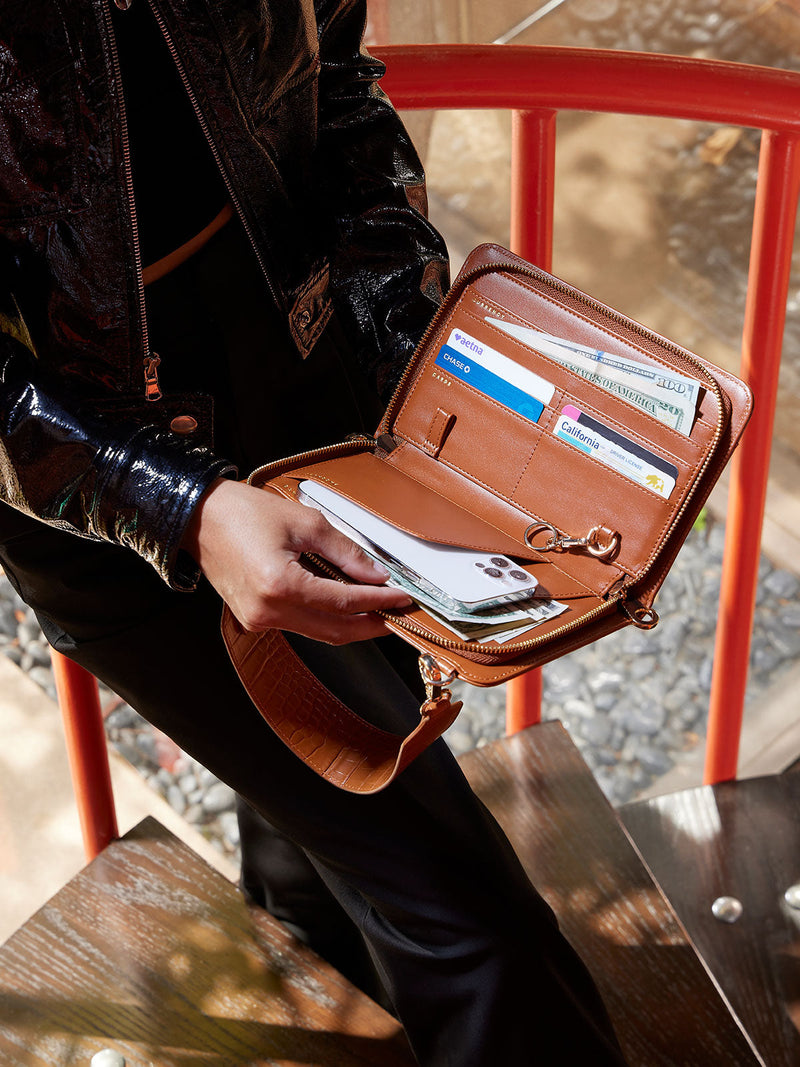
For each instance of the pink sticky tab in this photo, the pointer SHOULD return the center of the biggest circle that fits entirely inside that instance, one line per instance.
(571, 412)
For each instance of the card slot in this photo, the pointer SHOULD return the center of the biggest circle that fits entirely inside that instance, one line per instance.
(627, 416)
(676, 456)
(424, 512)
(589, 325)
(408, 504)
(486, 440)
(577, 492)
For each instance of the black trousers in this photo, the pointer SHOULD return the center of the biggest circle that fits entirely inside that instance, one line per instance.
(415, 888)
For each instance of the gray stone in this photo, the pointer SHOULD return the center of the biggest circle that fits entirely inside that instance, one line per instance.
(562, 676)
(40, 654)
(765, 657)
(606, 699)
(43, 677)
(122, 717)
(671, 633)
(128, 751)
(28, 632)
(596, 730)
(175, 798)
(8, 620)
(581, 709)
(605, 780)
(687, 716)
(704, 674)
(785, 640)
(638, 642)
(783, 584)
(647, 719)
(605, 679)
(606, 756)
(671, 740)
(622, 789)
(642, 667)
(229, 826)
(205, 778)
(218, 798)
(653, 759)
(460, 741)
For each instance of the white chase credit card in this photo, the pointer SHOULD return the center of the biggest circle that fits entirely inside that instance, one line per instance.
(495, 375)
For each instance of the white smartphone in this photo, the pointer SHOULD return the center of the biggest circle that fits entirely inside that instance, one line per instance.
(462, 578)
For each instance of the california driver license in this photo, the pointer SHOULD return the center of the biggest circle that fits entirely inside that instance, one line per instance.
(612, 448)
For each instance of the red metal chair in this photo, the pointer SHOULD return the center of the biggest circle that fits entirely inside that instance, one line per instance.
(535, 84)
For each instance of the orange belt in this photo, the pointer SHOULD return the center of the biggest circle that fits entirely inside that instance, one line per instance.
(180, 255)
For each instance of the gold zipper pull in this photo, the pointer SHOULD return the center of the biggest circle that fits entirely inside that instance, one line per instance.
(152, 390)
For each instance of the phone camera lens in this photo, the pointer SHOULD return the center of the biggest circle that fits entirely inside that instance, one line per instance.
(493, 572)
(520, 576)
(498, 561)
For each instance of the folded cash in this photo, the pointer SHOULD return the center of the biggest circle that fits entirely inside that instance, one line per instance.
(666, 395)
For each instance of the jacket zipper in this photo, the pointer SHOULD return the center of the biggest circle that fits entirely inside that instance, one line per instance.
(329, 452)
(150, 359)
(235, 199)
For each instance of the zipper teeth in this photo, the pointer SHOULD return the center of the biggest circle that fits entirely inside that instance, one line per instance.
(469, 646)
(214, 150)
(357, 442)
(126, 161)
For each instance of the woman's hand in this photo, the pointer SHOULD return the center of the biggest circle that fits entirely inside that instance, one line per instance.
(248, 544)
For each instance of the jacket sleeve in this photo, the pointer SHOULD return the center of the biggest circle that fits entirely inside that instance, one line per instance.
(390, 267)
(130, 484)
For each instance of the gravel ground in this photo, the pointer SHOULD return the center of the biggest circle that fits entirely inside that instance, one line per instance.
(635, 702)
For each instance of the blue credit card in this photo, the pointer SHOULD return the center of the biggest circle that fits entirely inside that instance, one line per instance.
(492, 385)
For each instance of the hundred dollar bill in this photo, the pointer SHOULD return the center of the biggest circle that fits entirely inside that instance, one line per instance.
(670, 397)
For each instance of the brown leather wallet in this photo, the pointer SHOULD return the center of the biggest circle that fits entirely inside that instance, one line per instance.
(452, 465)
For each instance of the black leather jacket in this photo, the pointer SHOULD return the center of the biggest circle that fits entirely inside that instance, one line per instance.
(320, 171)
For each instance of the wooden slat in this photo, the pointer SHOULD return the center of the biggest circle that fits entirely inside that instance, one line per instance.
(739, 839)
(666, 1009)
(151, 952)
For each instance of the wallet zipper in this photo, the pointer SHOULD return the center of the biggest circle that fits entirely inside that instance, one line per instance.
(357, 442)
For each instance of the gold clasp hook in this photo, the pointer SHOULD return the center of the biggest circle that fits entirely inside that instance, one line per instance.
(599, 541)
(436, 681)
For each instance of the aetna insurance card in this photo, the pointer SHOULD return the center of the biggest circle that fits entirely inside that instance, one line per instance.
(495, 375)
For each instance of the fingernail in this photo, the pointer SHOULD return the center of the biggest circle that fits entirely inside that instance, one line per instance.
(381, 570)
